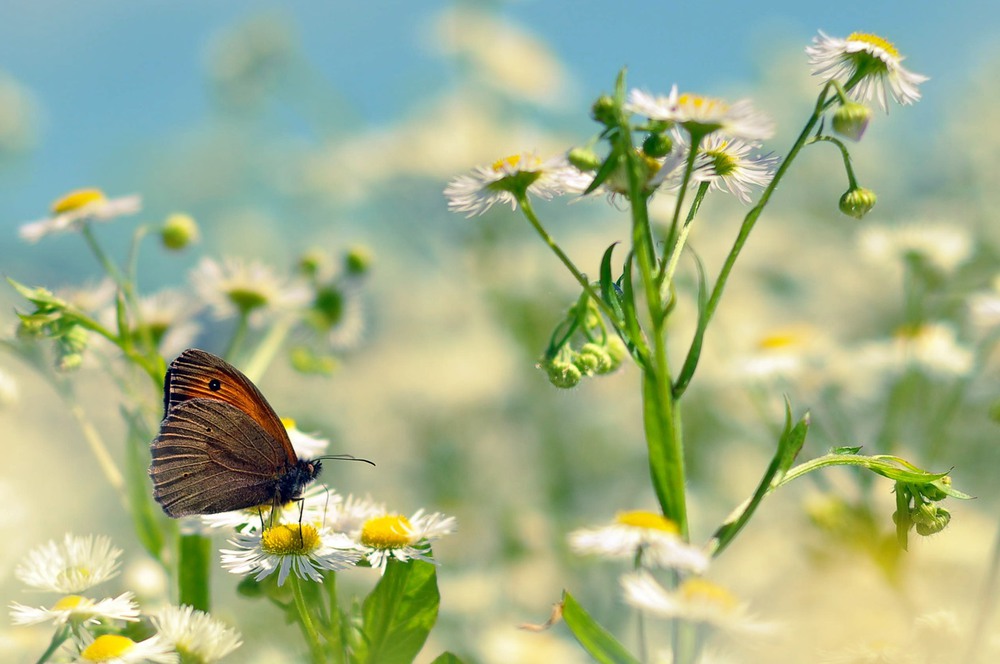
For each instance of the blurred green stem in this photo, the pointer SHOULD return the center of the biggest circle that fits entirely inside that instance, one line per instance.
(306, 621)
(193, 571)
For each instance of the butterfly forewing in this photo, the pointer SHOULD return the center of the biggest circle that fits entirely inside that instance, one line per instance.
(196, 374)
(212, 457)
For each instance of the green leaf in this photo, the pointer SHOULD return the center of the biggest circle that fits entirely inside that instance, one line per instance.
(447, 658)
(606, 169)
(609, 291)
(597, 641)
(399, 613)
(694, 352)
(193, 571)
(846, 450)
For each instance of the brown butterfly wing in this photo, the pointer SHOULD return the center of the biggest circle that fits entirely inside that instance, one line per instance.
(196, 374)
(212, 457)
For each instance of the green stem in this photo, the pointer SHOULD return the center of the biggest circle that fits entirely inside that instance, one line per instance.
(306, 621)
(57, 640)
(239, 333)
(667, 274)
(581, 278)
(335, 636)
(269, 346)
(193, 571)
(97, 446)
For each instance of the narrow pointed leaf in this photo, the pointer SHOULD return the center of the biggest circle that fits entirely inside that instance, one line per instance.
(605, 171)
(609, 292)
(597, 641)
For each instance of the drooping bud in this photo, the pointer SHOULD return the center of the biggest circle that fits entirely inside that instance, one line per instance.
(603, 110)
(179, 231)
(851, 120)
(857, 202)
(930, 519)
(584, 159)
(593, 359)
(562, 374)
(358, 260)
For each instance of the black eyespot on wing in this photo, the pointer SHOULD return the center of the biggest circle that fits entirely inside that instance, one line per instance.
(215, 385)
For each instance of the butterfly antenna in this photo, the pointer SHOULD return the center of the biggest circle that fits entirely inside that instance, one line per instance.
(344, 457)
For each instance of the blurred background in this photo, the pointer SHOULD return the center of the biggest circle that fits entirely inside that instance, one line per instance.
(281, 129)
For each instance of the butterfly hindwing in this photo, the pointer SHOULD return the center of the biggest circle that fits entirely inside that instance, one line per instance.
(211, 457)
(195, 374)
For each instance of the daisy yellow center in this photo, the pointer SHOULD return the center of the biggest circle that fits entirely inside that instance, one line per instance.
(703, 105)
(700, 591)
(68, 603)
(876, 41)
(288, 423)
(391, 531)
(107, 647)
(779, 341)
(649, 520)
(77, 199)
(910, 332)
(722, 161)
(74, 575)
(511, 162)
(290, 539)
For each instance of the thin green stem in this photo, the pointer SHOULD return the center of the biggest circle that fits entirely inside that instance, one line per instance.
(268, 347)
(239, 334)
(335, 636)
(97, 446)
(580, 277)
(194, 563)
(306, 621)
(57, 640)
(667, 274)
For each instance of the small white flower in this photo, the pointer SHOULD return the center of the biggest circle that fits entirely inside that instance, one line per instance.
(932, 348)
(72, 566)
(168, 316)
(703, 115)
(235, 286)
(77, 609)
(117, 649)
(732, 165)
(195, 635)
(651, 538)
(500, 182)
(695, 600)
(70, 212)
(870, 61)
(943, 246)
(782, 354)
(384, 537)
(305, 550)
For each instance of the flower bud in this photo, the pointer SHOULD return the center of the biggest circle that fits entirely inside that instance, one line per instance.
(851, 120)
(593, 359)
(857, 202)
(930, 519)
(617, 351)
(69, 348)
(179, 230)
(657, 145)
(358, 260)
(563, 374)
(314, 263)
(603, 110)
(584, 159)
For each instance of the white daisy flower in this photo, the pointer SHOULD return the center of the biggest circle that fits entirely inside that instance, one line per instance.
(733, 165)
(943, 246)
(695, 600)
(91, 297)
(236, 286)
(72, 566)
(169, 317)
(195, 635)
(117, 649)
(384, 537)
(933, 348)
(306, 551)
(650, 538)
(78, 610)
(486, 186)
(868, 62)
(70, 212)
(703, 115)
(984, 307)
(316, 503)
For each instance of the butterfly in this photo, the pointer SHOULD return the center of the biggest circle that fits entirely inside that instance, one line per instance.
(221, 447)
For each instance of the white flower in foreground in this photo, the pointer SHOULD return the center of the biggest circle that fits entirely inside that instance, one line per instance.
(289, 548)
(116, 649)
(71, 566)
(71, 211)
(732, 165)
(651, 538)
(933, 348)
(695, 600)
(504, 179)
(943, 246)
(241, 287)
(703, 115)
(870, 61)
(393, 536)
(78, 610)
(195, 635)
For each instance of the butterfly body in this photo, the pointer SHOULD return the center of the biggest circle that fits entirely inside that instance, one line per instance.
(221, 447)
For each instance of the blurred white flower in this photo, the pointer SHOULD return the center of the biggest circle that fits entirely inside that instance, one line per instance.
(71, 211)
(944, 246)
(249, 288)
(195, 635)
(703, 115)
(486, 186)
(77, 610)
(651, 539)
(870, 57)
(782, 354)
(932, 348)
(70, 566)
(733, 165)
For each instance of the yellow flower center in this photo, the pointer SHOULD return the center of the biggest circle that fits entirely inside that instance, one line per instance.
(650, 520)
(290, 539)
(107, 647)
(68, 603)
(701, 591)
(876, 41)
(288, 423)
(507, 162)
(74, 575)
(391, 531)
(77, 199)
(703, 105)
(779, 340)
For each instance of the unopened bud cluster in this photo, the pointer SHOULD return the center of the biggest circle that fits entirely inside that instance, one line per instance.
(570, 365)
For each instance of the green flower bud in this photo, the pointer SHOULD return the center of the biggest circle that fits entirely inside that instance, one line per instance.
(69, 348)
(930, 519)
(179, 230)
(584, 158)
(857, 202)
(851, 120)
(314, 263)
(617, 351)
(358, 260)
(657, 145)
(30, 329)
(604, 110)
(593, 359)
(328, 306)
(563, 374)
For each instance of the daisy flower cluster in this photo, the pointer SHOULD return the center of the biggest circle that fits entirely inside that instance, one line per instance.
(91, 631)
